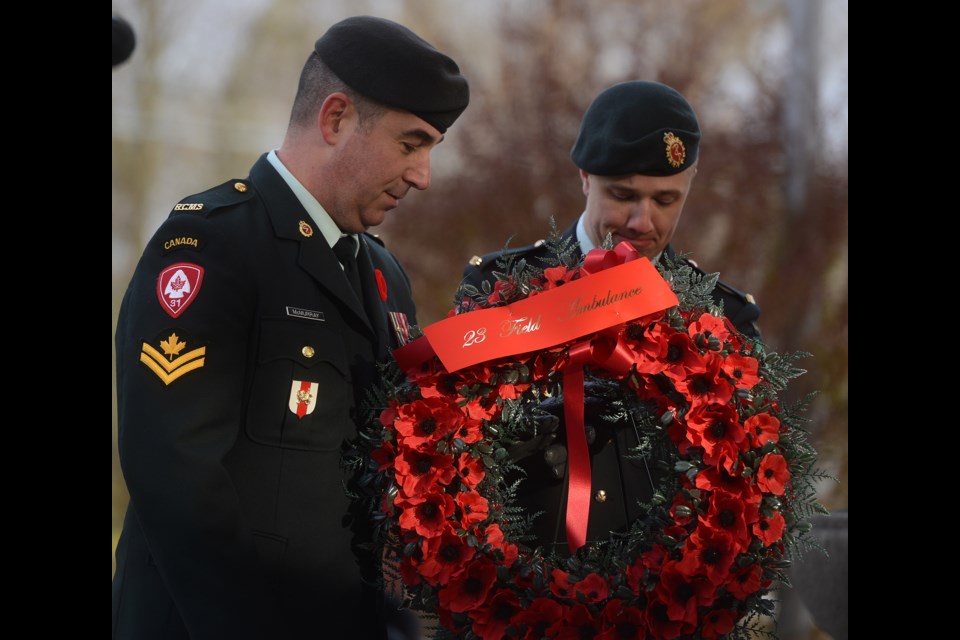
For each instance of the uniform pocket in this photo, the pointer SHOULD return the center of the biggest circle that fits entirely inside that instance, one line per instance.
(300, 366)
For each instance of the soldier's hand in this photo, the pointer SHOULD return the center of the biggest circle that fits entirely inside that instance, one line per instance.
(537, 436)
(597, 396)
(544, 442)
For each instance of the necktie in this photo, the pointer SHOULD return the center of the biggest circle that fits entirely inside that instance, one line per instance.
(346, 250)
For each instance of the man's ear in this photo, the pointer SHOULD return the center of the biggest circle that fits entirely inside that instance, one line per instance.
(334, 111)
(585, 182)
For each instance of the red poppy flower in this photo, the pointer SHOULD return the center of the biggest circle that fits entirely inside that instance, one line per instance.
(560, 584)
(542, 619)
(468, 590)
(440, 385)
(680, 358)
(717, 428)
(682, 594)
(706, 386)
(661, 626)
(481, 409)
(773, 474)
(709, 326)
(709, 552)
(425, 514)
(718, 622)
(557, 276)
(496, 539)
(418, 471)
(718, 479)
(409, 570)
(384, 456)
(490, 621)
(624, 623)
(444, 556)
(425, 421)
(593, 588)
(762, 428)
(743, 370)
(503, 291)
(636, 574)
(732, 515)
(744, 582)
(473, 506)
(580, 624)
(470, 471)
(769, 530)
(381, 284)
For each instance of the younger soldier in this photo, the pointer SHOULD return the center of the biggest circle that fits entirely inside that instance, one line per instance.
(637, 154)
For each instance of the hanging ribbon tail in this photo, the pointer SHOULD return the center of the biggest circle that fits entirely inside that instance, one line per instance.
(578, 459)
(609, 353)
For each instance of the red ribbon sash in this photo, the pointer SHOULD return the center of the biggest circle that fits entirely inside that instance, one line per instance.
(604, 299)
(620, 287)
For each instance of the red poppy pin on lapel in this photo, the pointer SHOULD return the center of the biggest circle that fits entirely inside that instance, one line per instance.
(381, 284)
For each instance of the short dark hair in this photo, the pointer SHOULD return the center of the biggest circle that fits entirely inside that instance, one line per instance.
(317, 81)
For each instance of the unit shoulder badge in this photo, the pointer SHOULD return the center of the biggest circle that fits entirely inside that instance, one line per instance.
(177, 287)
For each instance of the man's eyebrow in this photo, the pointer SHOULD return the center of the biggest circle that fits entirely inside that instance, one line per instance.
(422, 135)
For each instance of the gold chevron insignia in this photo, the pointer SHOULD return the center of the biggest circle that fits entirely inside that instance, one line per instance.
(164, 365)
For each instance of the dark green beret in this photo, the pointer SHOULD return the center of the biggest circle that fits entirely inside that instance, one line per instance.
(390, 64)
(637, 127)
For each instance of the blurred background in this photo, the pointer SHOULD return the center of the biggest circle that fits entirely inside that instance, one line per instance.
(209, 85)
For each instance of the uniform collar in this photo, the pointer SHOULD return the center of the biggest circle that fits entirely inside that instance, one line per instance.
(318, 215)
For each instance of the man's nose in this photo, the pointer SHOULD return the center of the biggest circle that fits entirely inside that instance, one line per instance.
(418, 174)
(641, 217)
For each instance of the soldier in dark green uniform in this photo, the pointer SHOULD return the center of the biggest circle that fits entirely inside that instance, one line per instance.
(637, 152)
(246, 338)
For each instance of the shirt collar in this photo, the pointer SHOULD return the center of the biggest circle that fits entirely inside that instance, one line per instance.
(327, 227)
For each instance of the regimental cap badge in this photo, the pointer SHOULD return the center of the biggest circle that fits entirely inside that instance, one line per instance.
(305, 229)
(676, 152)
(172, 360)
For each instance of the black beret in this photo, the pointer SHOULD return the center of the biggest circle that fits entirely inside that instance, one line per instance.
(637, 127)
(390, 64)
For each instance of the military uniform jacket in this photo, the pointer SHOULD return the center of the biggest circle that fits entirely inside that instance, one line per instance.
(242, 352)
(616, 482)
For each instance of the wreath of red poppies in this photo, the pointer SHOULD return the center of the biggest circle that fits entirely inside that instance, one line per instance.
(716, 537)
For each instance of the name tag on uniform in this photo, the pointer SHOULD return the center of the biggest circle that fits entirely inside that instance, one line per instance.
(306, 314)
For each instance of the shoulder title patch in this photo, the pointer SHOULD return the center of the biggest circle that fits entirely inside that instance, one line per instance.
(170, 364)
(183, 242)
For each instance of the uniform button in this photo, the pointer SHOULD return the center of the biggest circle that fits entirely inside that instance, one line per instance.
(239, 186)
(749, 298)
(476, 260)
(600, 496)
(307, 351)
